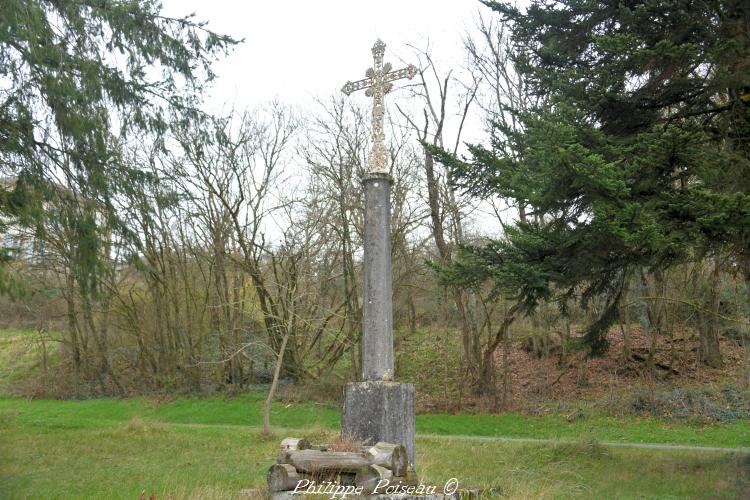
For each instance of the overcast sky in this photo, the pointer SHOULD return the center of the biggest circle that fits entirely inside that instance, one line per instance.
(296, 50)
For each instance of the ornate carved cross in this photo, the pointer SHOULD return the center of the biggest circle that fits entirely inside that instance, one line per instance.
(378, 84)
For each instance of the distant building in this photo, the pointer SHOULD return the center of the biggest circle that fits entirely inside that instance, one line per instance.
(22, 242)
(17, 241)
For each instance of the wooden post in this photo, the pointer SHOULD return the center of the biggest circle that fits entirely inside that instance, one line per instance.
(315, 460)
(369, 477)
(390, 456)
(294, 444)
(283, 477)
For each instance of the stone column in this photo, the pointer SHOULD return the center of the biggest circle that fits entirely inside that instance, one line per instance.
(378, 409)
(377, 322)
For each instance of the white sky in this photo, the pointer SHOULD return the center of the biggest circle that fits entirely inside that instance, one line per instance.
(298, 50)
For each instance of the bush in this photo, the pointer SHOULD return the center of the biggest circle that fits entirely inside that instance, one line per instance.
(725, 406)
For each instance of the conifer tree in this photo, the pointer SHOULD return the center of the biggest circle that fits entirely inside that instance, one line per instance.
(638, 157)
(79, 79)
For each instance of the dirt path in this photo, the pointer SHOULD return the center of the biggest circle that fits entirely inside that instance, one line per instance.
(459, 437)
(615, 444)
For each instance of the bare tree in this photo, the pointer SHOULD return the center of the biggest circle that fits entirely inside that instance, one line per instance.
(445, 208)
(502, 93)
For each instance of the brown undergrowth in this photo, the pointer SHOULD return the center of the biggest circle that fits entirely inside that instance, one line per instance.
(618, 380)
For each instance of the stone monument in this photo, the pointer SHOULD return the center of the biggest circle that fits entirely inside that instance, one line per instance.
(378, 408)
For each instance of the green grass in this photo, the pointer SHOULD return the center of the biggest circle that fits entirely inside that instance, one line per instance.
(247, 411)
(212, 447)
(123, 460)
(579, 470)
(121, 457)
(20, 355)
(243, 411)
(592, 427)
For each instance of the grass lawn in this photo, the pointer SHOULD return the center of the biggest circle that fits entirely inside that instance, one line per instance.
(19, 356)
(246, 411)
(212, 447)
(209, 448)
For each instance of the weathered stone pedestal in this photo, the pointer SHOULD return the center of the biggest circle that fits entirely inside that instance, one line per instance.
(380, 411)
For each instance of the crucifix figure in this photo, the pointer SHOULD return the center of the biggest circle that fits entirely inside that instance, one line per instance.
(378, 83)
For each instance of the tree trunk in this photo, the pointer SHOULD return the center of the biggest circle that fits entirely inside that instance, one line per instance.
(412, 310)
(390, 456)
(646, 320)
(311, 461)
(709, 332)
(487, 373)
(370, 477)
(283, 477)
(294, 444)
(564, 344)
(73, 322)
(472, 360)
(505, 402)
(625, 355)
(274, 384)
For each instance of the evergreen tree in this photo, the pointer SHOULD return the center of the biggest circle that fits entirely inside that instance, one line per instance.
(81, 77)
(638, 157)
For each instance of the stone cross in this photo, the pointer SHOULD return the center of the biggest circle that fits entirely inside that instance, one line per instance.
(378, 408)
(378, 83)
(377, 317)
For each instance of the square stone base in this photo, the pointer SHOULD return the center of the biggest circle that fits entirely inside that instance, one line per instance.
(380, 411)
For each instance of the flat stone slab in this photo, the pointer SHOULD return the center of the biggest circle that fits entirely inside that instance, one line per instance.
(377, 411)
